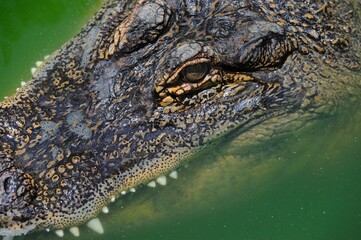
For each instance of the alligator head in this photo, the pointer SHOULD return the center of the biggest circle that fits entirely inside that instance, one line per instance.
(147, 83)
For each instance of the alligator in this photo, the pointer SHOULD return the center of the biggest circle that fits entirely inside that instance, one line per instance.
(147, 83)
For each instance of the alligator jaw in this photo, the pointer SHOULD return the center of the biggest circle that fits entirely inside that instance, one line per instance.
(143, 86)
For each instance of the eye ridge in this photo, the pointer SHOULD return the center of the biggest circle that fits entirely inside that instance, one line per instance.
(195, 72)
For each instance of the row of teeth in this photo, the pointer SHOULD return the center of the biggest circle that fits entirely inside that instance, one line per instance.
(33, 71)
(37, 64)
(95, 223)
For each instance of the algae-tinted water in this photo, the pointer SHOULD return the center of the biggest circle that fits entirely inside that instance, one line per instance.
(302, 185)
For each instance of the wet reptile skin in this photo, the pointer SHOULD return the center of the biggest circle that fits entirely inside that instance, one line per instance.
(147, 83)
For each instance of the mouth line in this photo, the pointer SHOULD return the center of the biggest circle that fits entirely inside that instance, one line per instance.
(17, 232)
(250, 91)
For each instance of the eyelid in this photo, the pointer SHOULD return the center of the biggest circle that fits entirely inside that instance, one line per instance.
(174, 77)
(266, 52)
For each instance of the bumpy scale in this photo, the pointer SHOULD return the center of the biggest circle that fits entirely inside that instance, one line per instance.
(147, 83)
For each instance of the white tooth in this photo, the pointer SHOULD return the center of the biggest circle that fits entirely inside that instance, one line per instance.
(162, 180)
(23, 83)
(33, 70)
(60, 233)
(132, 190)
(105, 209)
(38, 63)
(17, 89)
(173, 174)
(112, 199)
(47, 229)
(152, 184)
(123, 192)
(75, 231)
(5, 97)
(46, 57)
(96, 225)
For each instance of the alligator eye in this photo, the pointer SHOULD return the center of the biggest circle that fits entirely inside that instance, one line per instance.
(196, 72)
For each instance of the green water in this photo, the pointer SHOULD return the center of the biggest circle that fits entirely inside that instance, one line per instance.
(303, 185)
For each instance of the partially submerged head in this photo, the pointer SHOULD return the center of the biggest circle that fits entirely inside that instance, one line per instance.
(145, 84)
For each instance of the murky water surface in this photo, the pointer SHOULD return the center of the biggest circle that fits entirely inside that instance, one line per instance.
(301, 185)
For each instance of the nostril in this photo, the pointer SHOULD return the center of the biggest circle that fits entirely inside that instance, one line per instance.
(8, 184)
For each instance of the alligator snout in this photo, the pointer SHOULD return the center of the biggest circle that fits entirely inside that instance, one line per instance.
(17, 192)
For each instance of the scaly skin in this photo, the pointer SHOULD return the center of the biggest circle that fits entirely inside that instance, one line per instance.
(147, 83)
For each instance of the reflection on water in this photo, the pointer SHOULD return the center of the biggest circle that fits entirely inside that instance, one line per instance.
(301, 185)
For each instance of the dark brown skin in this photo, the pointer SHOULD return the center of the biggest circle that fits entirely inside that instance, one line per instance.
(147, 83)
